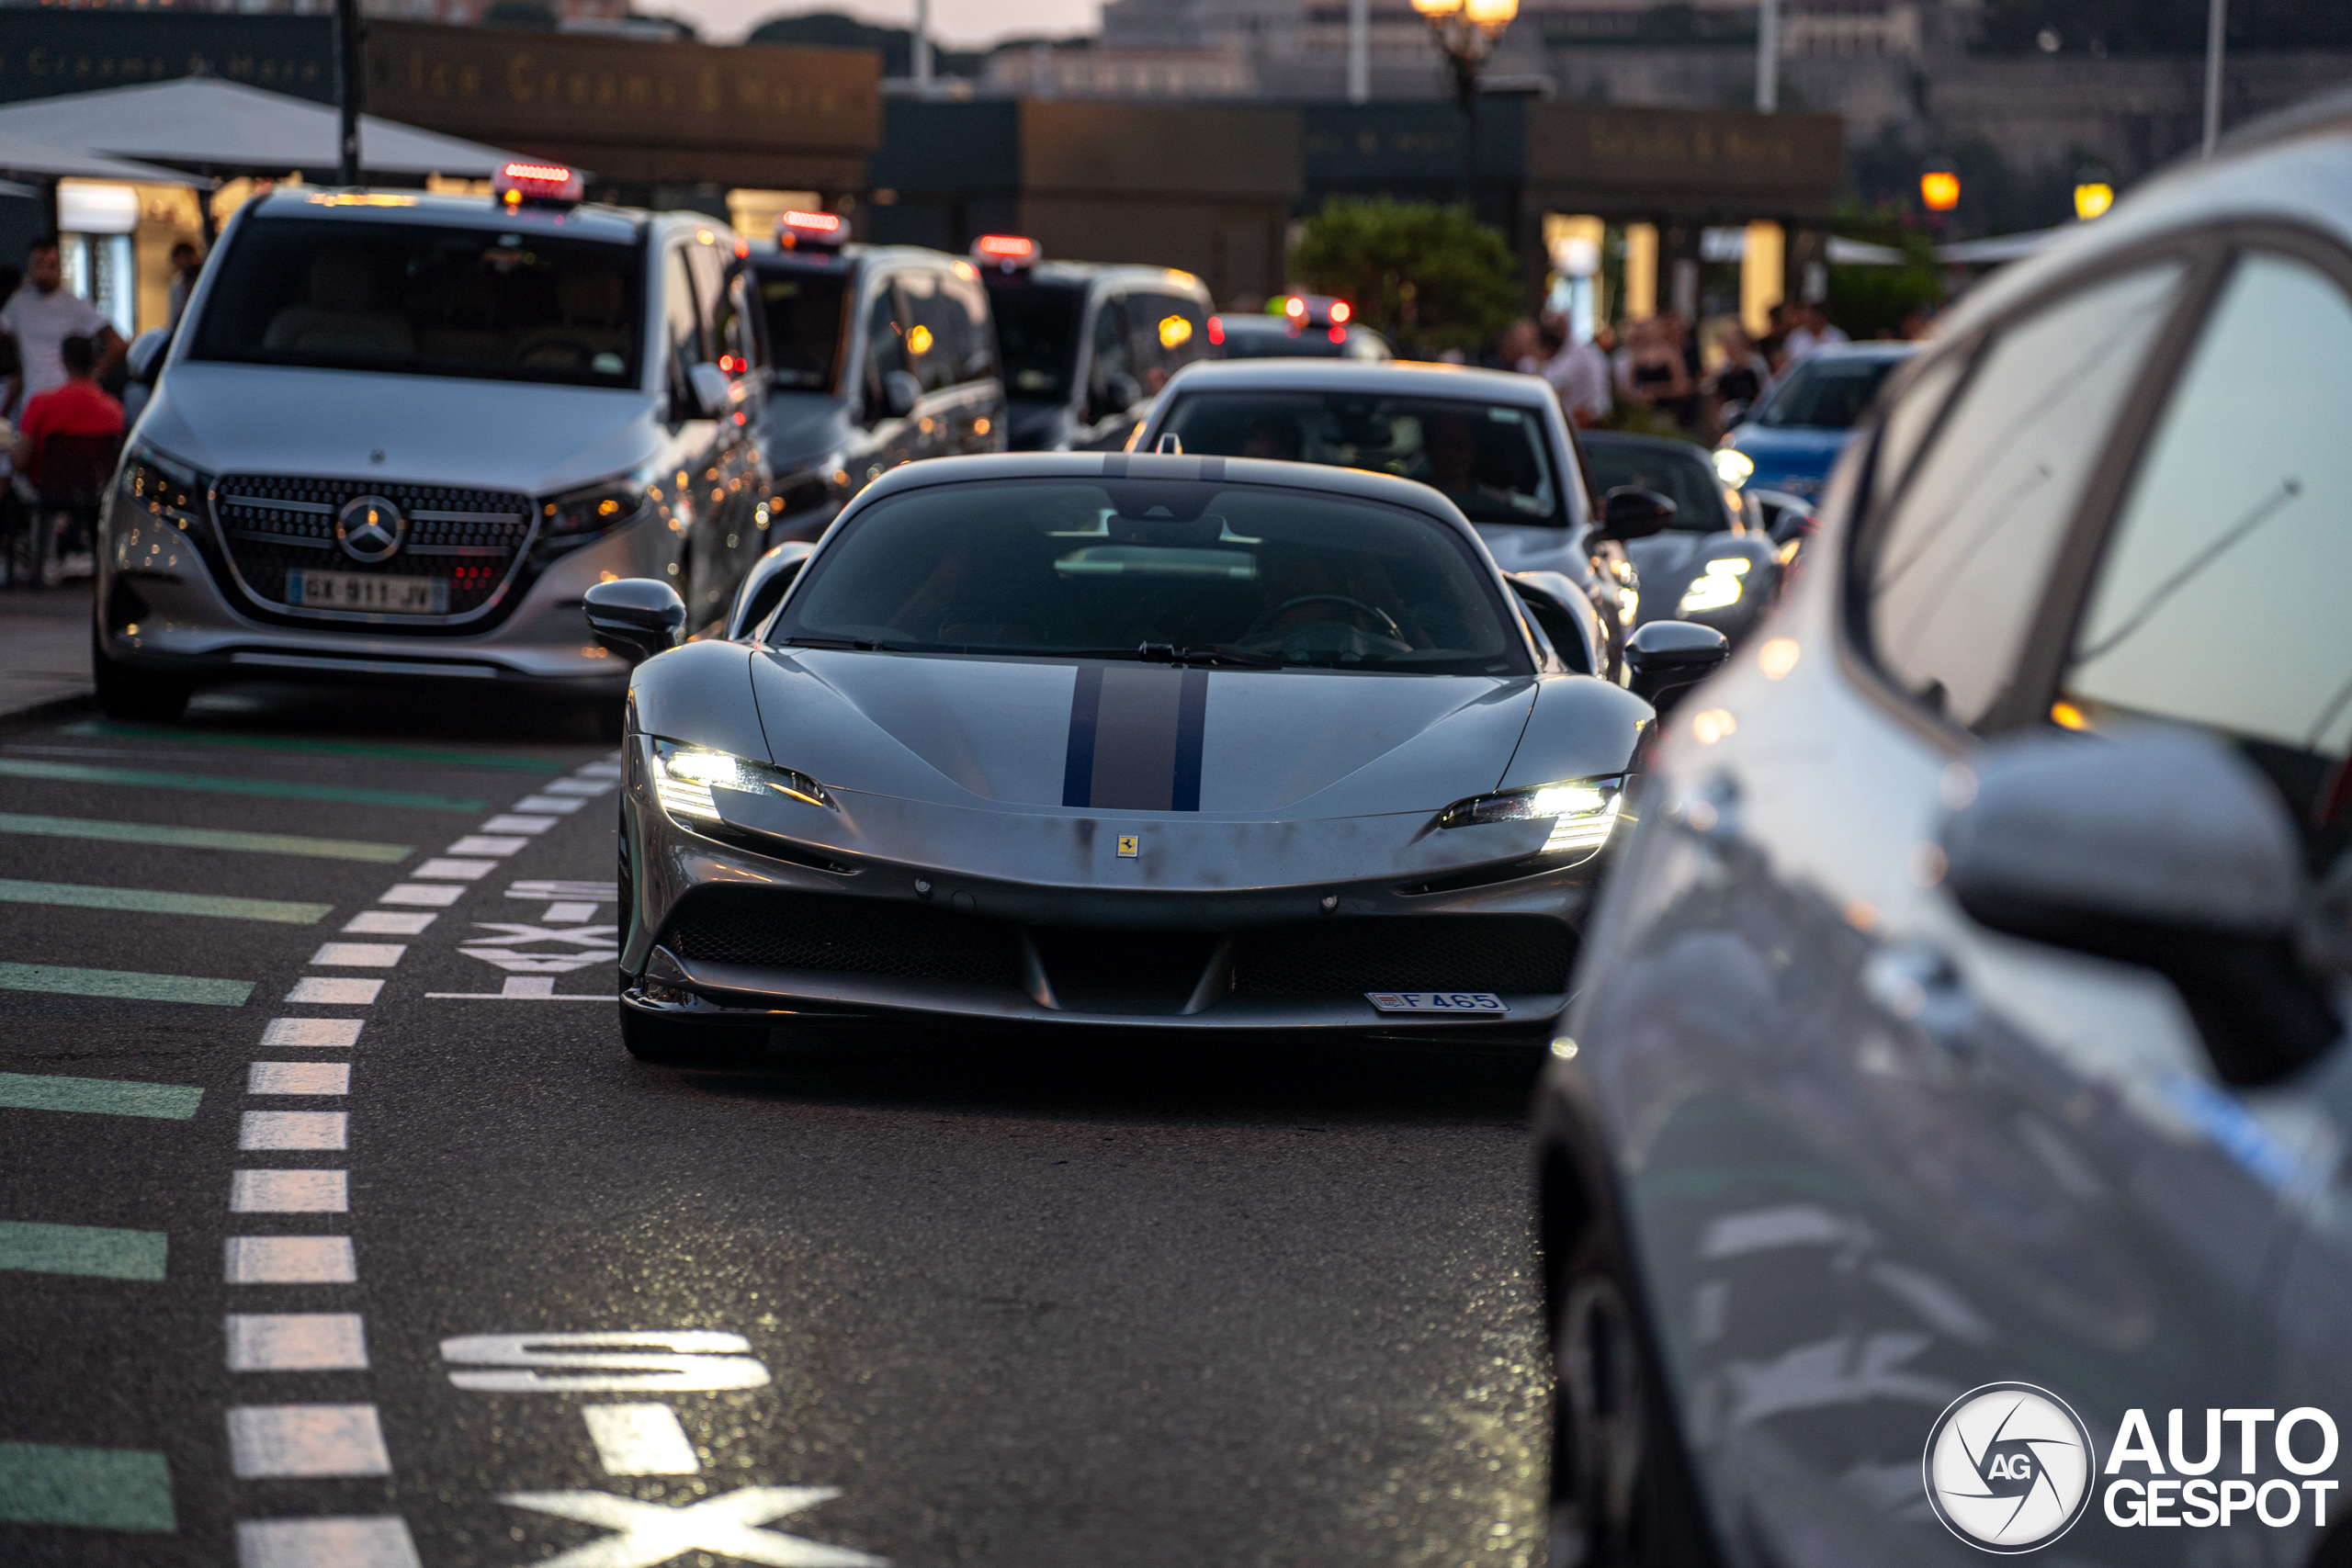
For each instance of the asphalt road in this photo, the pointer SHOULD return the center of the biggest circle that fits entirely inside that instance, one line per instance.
(951, 1300)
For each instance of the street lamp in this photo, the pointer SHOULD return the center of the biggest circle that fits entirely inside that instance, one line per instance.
(1468, 30)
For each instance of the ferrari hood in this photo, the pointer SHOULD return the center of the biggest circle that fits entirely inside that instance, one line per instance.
(1028, 733)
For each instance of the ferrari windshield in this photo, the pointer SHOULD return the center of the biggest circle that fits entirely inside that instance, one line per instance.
(1487, 458)
(1188, 572)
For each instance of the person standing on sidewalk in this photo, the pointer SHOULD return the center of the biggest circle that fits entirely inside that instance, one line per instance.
(40, 317)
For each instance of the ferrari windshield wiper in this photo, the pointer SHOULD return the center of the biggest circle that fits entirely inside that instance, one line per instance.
(863, 644)
(1208, 654)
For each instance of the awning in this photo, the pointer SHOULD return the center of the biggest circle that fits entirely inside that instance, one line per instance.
(1861, 252)
(24, 155)
(203, 122)
(2000, 247)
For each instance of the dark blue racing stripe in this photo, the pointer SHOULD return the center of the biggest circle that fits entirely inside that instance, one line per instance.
(1085, 710)
(1192, 725)
(1136, 734)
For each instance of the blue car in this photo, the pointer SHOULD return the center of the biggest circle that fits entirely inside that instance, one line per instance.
(1794, 436)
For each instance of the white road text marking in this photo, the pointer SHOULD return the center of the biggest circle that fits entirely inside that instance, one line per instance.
(727, 1525)
(640, 1439)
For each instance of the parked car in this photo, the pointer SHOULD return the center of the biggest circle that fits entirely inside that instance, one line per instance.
(1792, 440)
(1714, 563)
(397, 435)
(877, 356)
(1305, 326)
(1961, 1039)
(1073, 740)
(1491, 442)
(1087, 347)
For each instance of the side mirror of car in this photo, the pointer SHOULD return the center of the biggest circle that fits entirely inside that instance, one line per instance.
(1666, 658)
(1630, 513)
(706, 391)
(2166, 850)
(1567, 617)
(637, 617)
(900, 392)
(764, 585)
(144, 361)
(1121, 392)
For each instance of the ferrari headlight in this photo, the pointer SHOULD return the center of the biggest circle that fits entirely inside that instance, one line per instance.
(1581, 811)
(1732, 467)
(684, 778)
(1717, 587)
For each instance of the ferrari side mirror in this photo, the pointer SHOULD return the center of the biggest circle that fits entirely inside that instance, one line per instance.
(1668, 658)
(637, 617)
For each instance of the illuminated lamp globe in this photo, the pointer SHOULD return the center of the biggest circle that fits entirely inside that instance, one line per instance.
(1492, 15)
(1438, 10)
(1939, 190)
(2092, 199)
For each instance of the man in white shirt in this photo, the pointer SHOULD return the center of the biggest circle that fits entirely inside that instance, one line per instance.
(40, 316)
(1579, 373)
(1811, 333)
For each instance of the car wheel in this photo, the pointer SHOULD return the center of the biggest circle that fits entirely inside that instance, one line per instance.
(1621, 1493)
(671, 1042)
(125, 693)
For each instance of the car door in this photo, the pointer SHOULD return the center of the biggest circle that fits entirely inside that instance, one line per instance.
(1885, 1157)
(733, 475)
(959, 406)
(2216, 600)
(882, 348)
(699, 569)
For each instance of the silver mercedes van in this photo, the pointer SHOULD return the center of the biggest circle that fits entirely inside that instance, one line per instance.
(397, 436)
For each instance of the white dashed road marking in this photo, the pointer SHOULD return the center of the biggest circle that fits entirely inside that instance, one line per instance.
(516, 824)
(640, 1439)
(324, 1033)
(291, 1260)
(436, 896)
(299, 1077)
(291, 1440)
(563, 806)
(358, 955)
(294, 1130)
(376, 1542)
(444, 870)
(296, 1342)
(288, 1192)
(388, 922)
(334, 993)
(485, 844)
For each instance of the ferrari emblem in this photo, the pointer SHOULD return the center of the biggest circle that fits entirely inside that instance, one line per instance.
(1130, 846)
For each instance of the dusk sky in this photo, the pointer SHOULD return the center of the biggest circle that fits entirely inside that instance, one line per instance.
(962, 23)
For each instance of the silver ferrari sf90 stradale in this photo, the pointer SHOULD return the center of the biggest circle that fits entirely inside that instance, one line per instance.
(1158, 742)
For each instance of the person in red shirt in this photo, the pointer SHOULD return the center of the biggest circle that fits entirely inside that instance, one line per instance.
(80, 407)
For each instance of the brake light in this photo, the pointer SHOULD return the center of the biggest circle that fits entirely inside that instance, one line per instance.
(1339, 312)
(540, 183)
(1339, 334)
(1216, 329)
(1295, 308)
(794, 230)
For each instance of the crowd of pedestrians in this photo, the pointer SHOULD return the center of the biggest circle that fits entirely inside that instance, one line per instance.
(57, 422)
(1657, 375)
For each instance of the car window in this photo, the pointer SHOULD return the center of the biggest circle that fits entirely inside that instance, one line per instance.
(681, 315)
(738, 340)
(1110, 354)
(1098, 569)
(1907, 422)
(978, 361)
(1684, 478)
(1827, 392)
(2218, 597)
(427, 300)
(1169, 333)
(804, 321)
(886, 345)
(1954, 574)
(1489, 459)
(1036, 329)
(938, 330)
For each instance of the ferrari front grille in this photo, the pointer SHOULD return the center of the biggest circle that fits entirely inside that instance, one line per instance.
(765, 928)
(1508, 954)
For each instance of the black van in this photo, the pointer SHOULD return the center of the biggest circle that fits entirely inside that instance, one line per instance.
(1087, 347)
(877, 356)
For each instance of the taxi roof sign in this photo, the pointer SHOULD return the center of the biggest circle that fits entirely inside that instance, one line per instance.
(1007, 251)
(822, 231)
(541, 184)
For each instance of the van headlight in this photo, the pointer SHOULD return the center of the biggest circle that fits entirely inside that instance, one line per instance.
(1581, 811)
(684, 778)
(1717, 587)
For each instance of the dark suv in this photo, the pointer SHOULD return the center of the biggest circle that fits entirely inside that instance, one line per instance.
(1087, 348)
(879, 355)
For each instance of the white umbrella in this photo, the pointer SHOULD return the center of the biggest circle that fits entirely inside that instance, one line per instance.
(203, 122)
(22, 155)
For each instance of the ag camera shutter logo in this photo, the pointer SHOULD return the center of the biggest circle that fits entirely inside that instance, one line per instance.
(2009, 1467)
